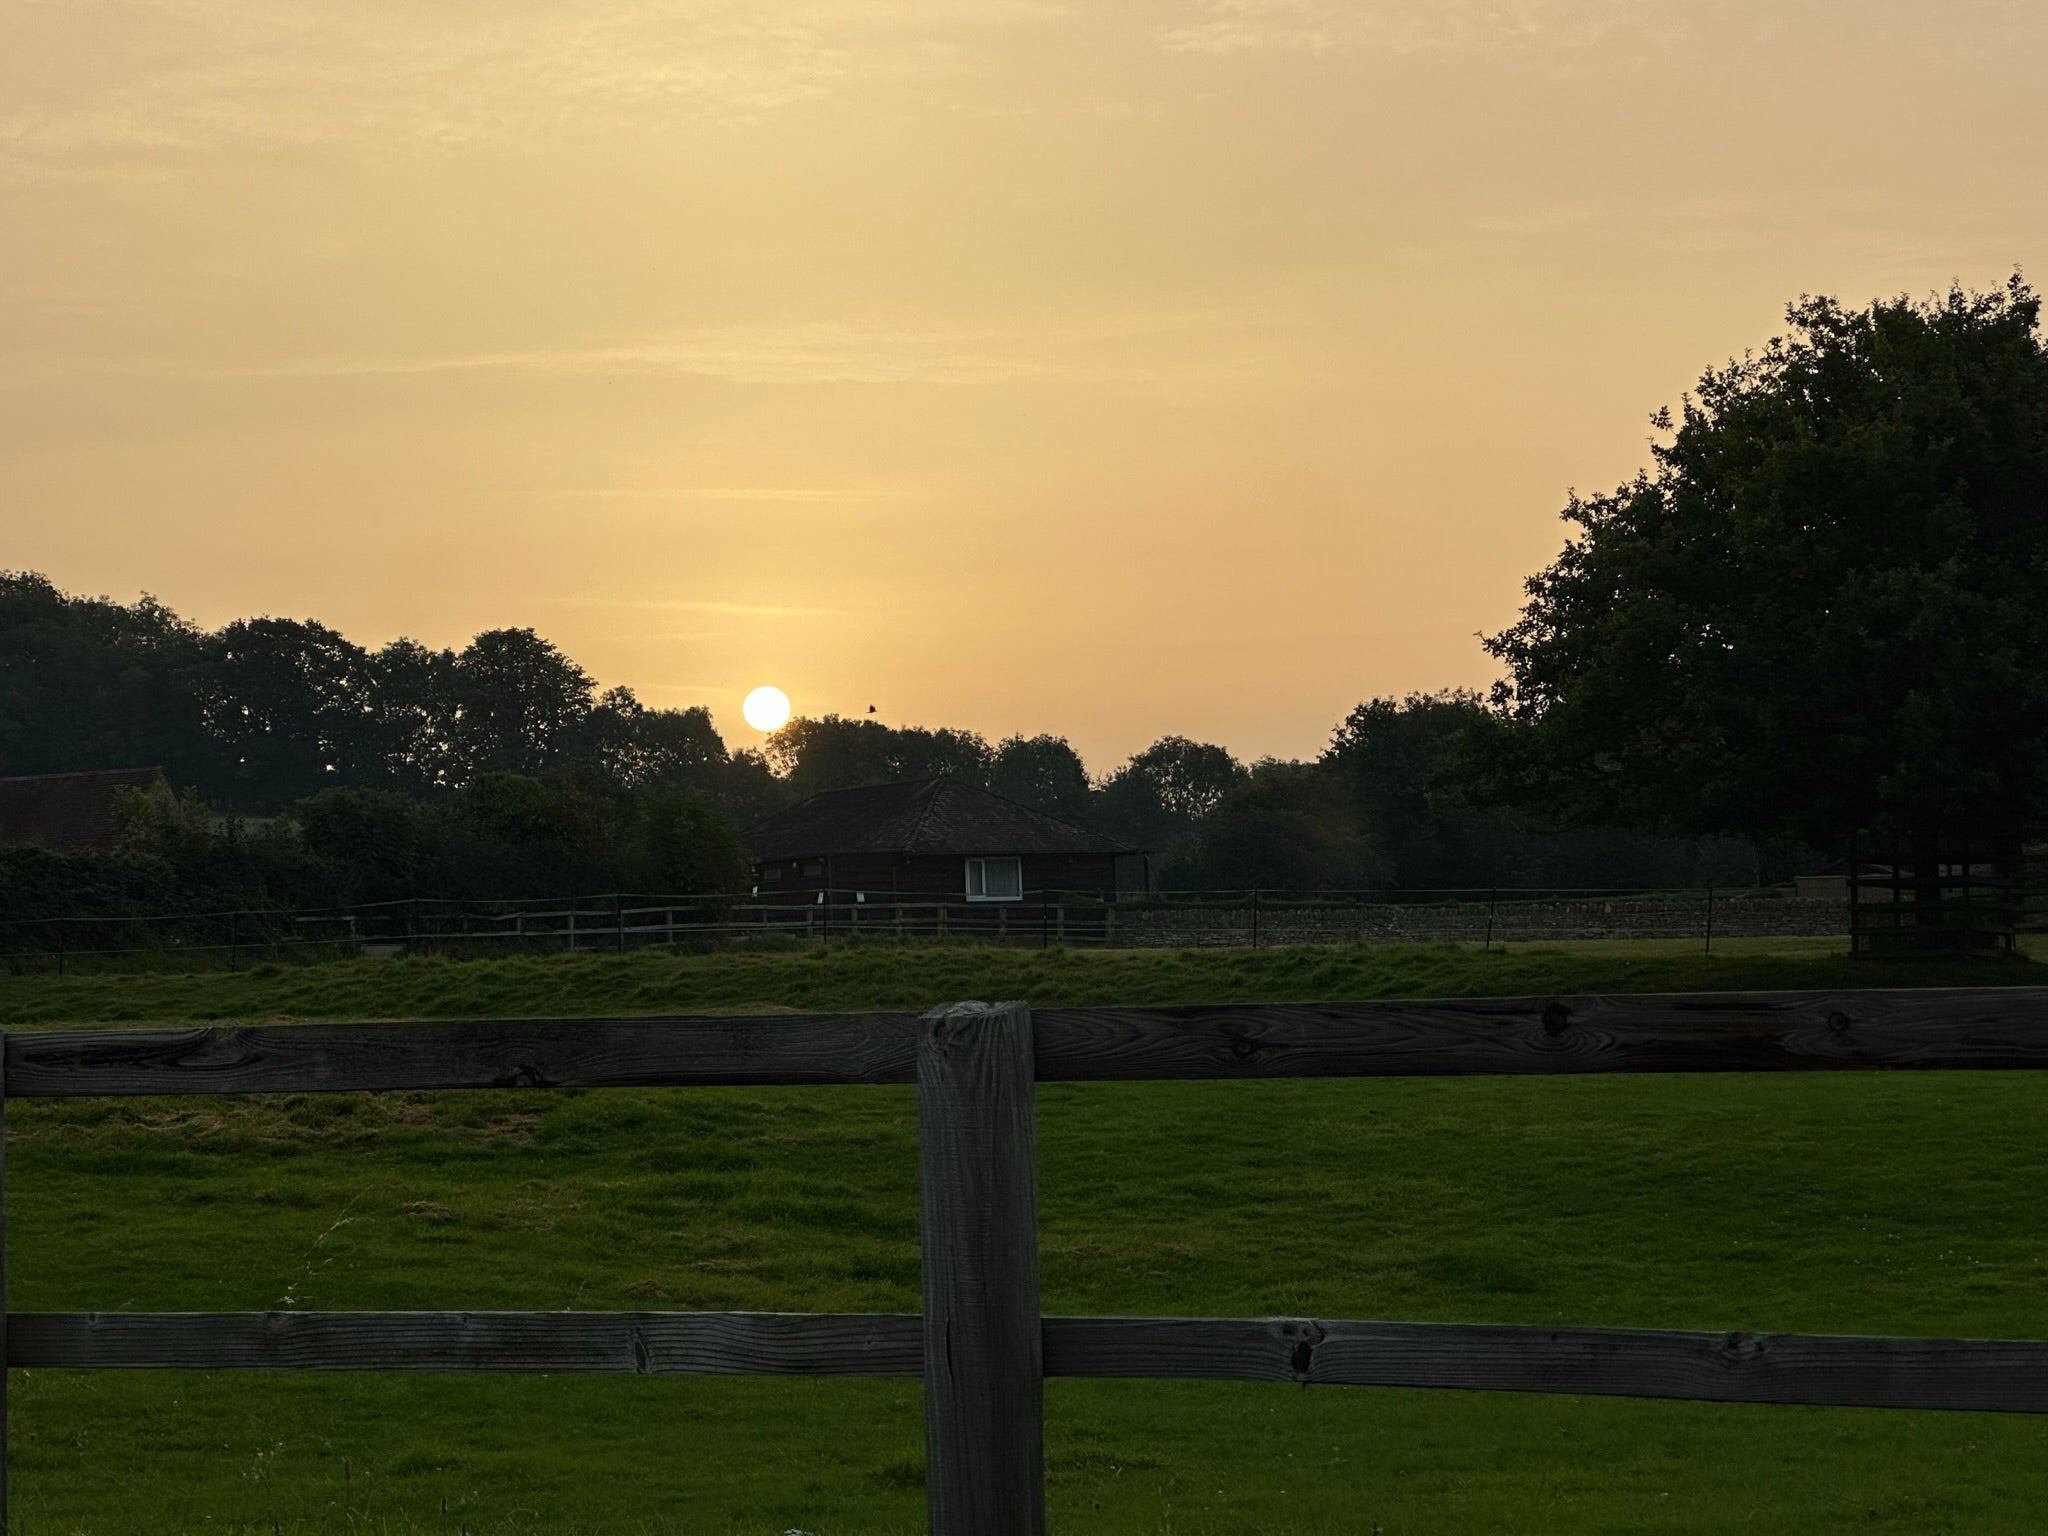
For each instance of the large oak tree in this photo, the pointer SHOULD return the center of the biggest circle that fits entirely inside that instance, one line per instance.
(1823, 611)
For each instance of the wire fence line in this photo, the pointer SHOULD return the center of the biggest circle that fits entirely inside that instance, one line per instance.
(1160, 919)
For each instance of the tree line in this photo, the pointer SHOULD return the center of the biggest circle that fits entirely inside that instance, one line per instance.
(317, 772)
(1815, 620)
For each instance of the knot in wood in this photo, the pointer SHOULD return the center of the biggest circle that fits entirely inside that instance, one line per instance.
(214, 1048)
(1557, 1018)
(1839, 1022)
(524, 1075)
(1741, 1348)
(1302, 1335)
(955, 1023)
(1244, 1047)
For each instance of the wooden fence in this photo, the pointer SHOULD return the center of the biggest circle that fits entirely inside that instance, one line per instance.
(980, 1343)
(1178, 919)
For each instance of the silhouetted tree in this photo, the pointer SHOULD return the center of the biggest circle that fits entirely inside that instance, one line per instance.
(635, 747)
(1287, 827)
(519, 702)
(290, 703)
(680, 841)
(378, 845)
(838, 753)
(830, 753)
(1159, 799)
(918, 753)
(1400, 759)
(1821, 611)
(413, 713)
(88, 683)
(750, 789)
(1043, 772)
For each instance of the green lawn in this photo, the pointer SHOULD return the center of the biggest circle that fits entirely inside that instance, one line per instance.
(1908, 1203)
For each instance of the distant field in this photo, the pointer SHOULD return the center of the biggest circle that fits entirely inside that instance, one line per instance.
(1907, 1203)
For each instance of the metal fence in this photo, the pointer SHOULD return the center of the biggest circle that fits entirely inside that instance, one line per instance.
(980, 1343)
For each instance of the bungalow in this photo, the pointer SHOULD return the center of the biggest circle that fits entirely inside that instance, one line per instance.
(931, 839)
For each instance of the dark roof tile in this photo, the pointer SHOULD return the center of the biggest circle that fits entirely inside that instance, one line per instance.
(941, 816)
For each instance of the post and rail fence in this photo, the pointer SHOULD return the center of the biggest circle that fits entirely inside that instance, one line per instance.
(980, 1343)
(1181, 919)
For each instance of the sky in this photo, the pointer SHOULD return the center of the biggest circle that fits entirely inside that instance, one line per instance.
(1116, 370)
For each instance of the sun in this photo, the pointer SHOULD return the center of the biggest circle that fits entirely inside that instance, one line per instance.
(766, 708)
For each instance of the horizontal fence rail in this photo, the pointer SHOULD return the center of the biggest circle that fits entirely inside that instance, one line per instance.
(492, 1053)
(980, 1344)
(1836, 1370)
(1119, 918)
(1961, 1028)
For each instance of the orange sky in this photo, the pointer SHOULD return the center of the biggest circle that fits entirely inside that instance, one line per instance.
(1178, 365)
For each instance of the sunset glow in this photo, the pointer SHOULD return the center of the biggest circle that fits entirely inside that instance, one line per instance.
(1022, 350)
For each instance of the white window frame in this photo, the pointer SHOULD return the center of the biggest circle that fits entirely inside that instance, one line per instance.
(977, 879)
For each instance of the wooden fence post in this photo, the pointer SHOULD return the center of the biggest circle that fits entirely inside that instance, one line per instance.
(3, 1283)
(984, 1362)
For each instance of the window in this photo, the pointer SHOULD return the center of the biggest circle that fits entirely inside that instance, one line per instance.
(995, 879)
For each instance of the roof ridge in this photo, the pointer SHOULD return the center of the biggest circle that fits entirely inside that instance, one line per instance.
(1032, 810)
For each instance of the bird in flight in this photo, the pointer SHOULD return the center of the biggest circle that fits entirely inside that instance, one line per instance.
(871, 709)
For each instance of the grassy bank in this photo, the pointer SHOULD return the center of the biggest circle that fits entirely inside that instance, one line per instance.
(916, 976)
(1885, 1203)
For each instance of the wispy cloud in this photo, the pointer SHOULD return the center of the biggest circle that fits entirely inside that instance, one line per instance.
(83, 78)
(693, 605)
(821, 353)
(1097, 348)
(1416, 26)
(1401, 26)
(818, 495)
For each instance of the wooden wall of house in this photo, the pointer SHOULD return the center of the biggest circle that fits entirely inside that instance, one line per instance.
(946, 874)
(802, 879)
(1093, 873)
(925, 876)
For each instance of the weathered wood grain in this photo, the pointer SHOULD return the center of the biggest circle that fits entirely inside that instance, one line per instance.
(472, 1053)
(1980, 1375)
(633, 1343)
(1974, 1028)
(1976, 1375)
(984, 1464)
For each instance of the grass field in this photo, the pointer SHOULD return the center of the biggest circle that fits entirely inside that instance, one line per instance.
(1909, 1203)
